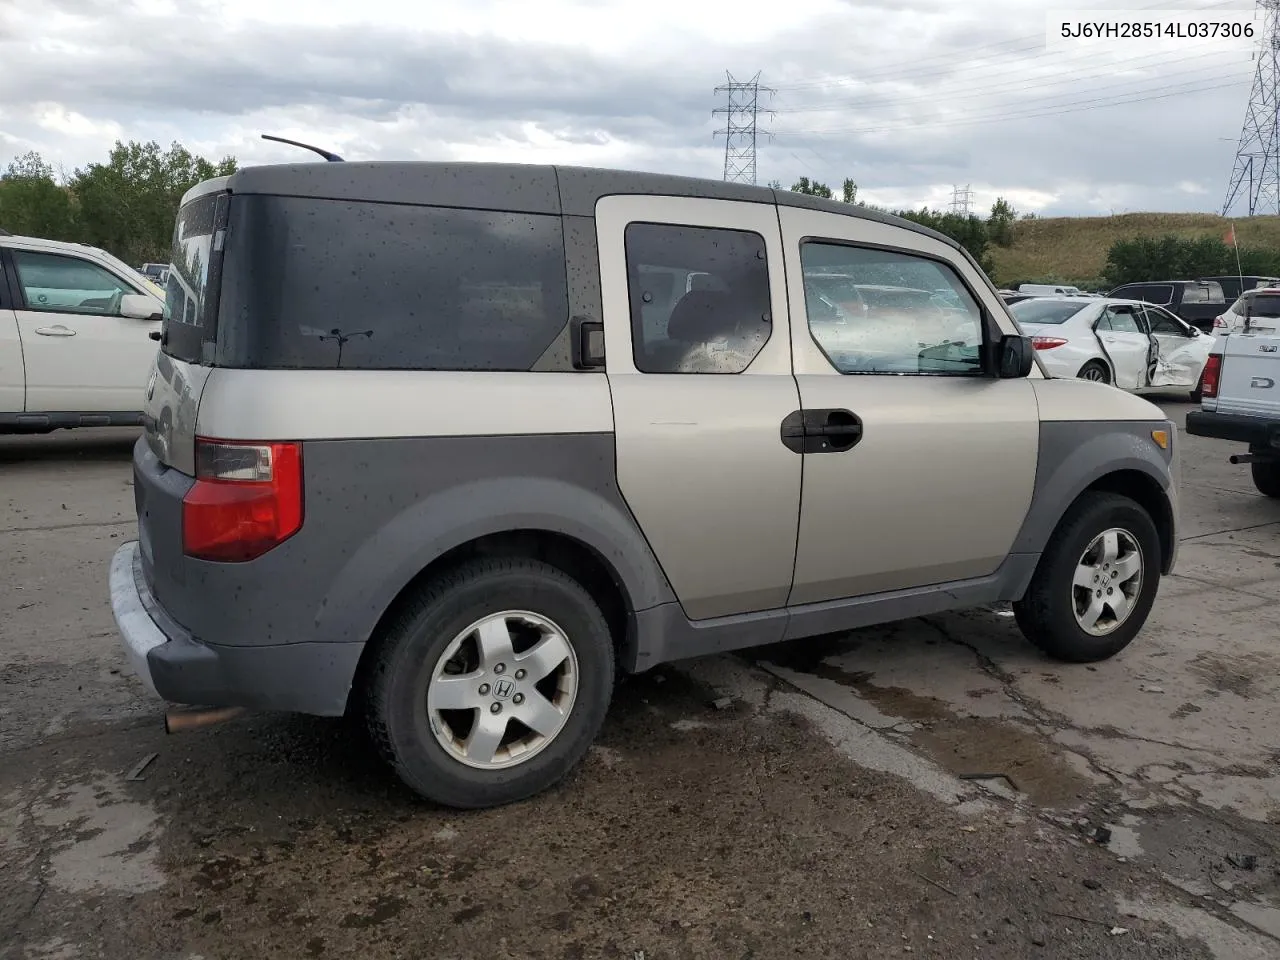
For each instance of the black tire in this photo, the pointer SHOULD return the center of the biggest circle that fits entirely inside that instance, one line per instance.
(1100, 371)
(413, 643)
(1266, 477)
(1046, 615)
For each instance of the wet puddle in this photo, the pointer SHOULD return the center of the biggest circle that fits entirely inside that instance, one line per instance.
(995, 752)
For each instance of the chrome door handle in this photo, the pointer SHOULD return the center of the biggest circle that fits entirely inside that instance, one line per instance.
(58, 331)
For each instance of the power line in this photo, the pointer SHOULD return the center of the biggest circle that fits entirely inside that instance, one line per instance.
(961, 198)
(967, 93)
(1043, 110)
(740, 129)
(1256, 170)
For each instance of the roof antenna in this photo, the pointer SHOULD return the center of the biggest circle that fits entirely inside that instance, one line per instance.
(331, 157)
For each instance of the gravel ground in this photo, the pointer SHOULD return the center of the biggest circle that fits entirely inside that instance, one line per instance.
(829, 812)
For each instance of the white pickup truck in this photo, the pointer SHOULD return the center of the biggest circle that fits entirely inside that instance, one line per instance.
(78, 335)
(1240, 400)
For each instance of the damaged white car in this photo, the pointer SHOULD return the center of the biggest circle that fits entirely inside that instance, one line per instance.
(1135, 346)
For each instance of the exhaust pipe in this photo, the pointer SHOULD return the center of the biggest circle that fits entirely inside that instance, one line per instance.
(175, 721)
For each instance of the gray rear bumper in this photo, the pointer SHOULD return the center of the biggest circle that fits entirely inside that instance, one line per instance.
(138, 631)
(312, 678)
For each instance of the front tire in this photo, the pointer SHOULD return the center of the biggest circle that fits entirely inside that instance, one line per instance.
(1096, 582)
(1096, 371)
(491, 684)
(1266, 477)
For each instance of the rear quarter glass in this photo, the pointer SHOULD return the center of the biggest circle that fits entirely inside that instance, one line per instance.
(192, 285)
(311, 284)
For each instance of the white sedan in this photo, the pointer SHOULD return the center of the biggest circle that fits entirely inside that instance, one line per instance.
(1135, 346)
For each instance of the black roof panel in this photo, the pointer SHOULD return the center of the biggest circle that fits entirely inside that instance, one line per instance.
(514, 187)
(581, 187)
(519, 188)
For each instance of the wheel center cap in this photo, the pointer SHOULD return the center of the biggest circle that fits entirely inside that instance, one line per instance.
(503, 688)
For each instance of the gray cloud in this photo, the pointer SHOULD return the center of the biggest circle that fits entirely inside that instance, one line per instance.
(917, 66)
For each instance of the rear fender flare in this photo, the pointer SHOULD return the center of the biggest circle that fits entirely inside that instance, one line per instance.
(404, 546)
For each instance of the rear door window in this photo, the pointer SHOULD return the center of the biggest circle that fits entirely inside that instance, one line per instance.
(1120, 319)
(322, 284)
(700, 299)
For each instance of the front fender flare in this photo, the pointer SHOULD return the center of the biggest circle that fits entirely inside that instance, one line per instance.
(1074, 456)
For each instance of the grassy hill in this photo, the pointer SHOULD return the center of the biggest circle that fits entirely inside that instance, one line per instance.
(1074, 249)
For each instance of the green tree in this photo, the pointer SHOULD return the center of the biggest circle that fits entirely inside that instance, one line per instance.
(814, 189)
(1170, 257)
(33, 203)
(128, 204)
(969, 231)
(850, 191)
(1000, 223)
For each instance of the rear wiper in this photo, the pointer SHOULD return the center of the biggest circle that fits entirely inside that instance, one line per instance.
(331, 157)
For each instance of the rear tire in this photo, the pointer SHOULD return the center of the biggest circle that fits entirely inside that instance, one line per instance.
(1075, 578)
(1266, 477)
(441, 701)
(1096, 371)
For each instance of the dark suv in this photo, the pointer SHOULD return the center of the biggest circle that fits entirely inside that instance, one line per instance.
(1198, 302)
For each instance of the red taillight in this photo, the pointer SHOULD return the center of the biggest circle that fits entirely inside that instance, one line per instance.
(1210, 375)
(1220, 323)
(1047, 343)
(246, 500)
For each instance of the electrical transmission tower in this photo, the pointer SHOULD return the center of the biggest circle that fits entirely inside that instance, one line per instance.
(962, 197)
(1256, 172)
(740, 131)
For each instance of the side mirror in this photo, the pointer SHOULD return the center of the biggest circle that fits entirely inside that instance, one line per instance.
(135, 306)
(1017, 356)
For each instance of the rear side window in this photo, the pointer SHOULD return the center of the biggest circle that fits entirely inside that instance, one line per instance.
(321, 284)
(1120, 318)
(1159, 294)
(190, 291)
(699, 298)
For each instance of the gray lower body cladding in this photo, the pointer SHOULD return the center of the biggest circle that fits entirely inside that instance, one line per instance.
(376, 513)
(286, 631)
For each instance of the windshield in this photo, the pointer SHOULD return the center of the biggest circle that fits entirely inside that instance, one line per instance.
(1045, 311)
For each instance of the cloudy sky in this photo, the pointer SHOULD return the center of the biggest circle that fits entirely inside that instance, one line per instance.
(908, 97)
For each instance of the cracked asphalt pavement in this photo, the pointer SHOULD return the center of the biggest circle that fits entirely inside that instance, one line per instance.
(928, 788)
